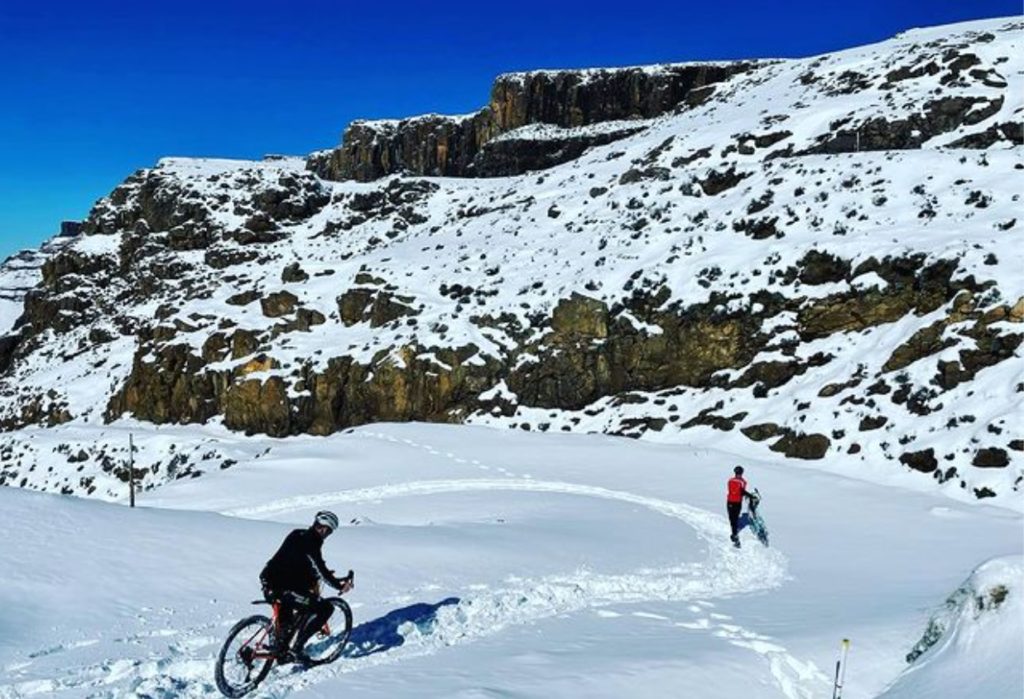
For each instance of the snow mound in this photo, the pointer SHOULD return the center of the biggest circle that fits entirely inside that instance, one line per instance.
(973, 645)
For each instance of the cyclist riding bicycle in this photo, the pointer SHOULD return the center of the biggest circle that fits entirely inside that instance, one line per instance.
(292, 576)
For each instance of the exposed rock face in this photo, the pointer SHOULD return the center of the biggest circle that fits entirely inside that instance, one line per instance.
(577, 98)
(687, 348)
(515, 155)
(69, 229)
(585, 351)
(149, 200)
(938, 117)
(431, 145)
(438, 145)
(8, 344)
(910, 289)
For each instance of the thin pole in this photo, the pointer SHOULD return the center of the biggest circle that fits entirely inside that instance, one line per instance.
(131, 471)
(837, 688)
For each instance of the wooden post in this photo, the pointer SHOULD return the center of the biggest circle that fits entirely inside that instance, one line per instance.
(131, 471)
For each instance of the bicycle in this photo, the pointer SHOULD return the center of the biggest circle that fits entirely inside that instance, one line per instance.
(248, 653)
(757, 524)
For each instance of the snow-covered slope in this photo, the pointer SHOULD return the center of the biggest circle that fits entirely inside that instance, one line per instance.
(821, 258)
(496, 563)
(973, 646)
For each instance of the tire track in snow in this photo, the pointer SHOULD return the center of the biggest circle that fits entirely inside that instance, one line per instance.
(725, 572)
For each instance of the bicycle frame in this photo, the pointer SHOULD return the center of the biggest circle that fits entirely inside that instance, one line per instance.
(257, 642)
(259, 649)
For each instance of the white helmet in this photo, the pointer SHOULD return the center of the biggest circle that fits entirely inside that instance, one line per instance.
(327, 519)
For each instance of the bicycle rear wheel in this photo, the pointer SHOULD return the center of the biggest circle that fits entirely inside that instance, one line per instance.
(757, 524)
(244, 660)
(327, 645)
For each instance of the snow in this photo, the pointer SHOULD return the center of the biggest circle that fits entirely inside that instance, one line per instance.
(979, 653)
(510, 564)
(545, 132)
(10, 311)
(389, 125)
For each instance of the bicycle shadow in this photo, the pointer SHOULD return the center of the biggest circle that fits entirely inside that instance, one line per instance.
(381, 635)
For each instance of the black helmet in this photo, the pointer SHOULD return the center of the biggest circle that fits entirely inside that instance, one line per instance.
(738, 470)
(327, 519)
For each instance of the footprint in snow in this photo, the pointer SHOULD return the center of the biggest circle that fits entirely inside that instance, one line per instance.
(137, 638)
(649, 615)
(63, 647)
(795, 678)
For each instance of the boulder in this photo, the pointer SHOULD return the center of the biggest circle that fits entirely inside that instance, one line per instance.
(803, 446)
(762, 431)
(923, 460)
(991, 457)
(278, 304)
(294, 273)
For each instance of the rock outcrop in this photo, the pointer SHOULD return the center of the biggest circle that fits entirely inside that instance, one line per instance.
(437, 145)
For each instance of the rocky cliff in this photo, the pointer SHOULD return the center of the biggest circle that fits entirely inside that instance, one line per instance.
(818, 258)
(443, 146)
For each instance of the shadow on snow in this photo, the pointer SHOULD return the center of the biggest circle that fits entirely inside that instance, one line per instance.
(382, 635)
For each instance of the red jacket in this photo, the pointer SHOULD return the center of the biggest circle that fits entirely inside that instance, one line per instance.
(737, 489)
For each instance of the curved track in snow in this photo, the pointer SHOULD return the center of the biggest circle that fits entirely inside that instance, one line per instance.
(723, 573)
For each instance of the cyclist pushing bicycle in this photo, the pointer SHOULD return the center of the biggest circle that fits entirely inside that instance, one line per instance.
(291, 579)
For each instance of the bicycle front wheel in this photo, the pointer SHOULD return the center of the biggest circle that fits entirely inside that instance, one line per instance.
(328, 643)
(244, 660)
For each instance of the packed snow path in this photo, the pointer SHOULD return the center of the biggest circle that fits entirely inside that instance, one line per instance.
(725, 572)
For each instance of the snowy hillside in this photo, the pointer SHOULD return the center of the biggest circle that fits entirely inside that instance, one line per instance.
(494, 563)
(818, 258)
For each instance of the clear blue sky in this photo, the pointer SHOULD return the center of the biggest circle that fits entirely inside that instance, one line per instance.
(90, 91)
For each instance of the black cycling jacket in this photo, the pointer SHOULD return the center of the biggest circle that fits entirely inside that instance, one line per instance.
(298, 564)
